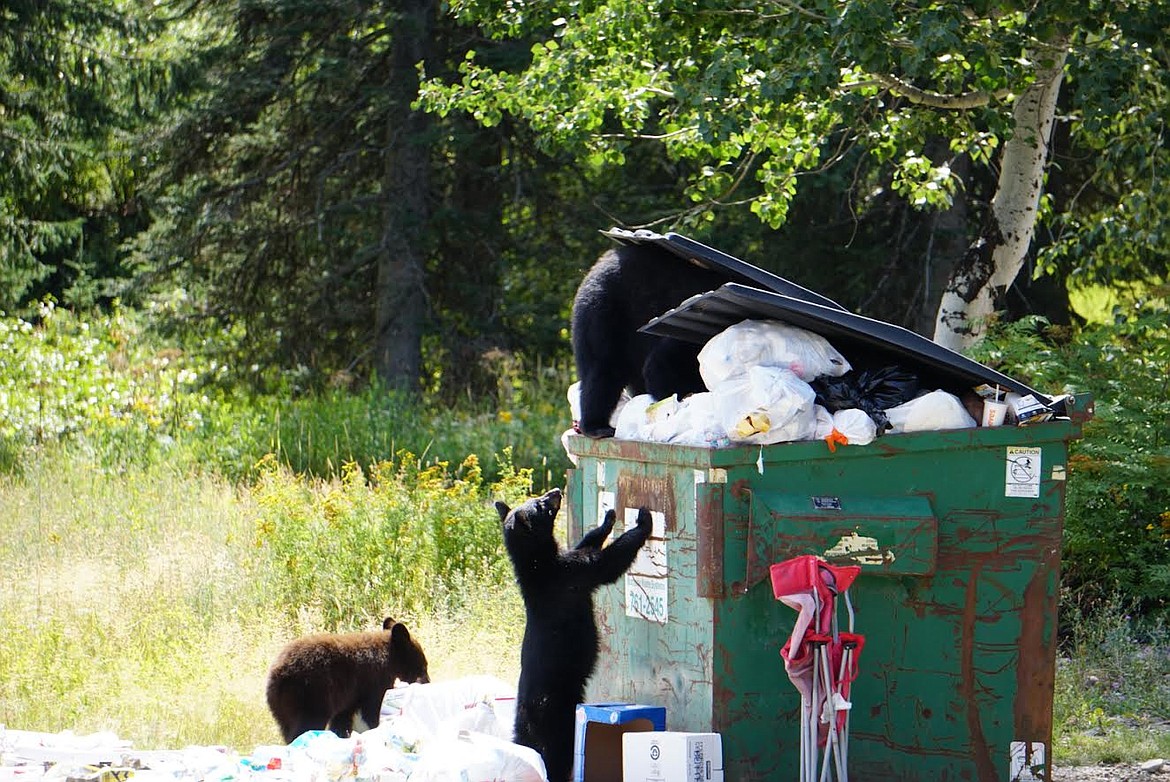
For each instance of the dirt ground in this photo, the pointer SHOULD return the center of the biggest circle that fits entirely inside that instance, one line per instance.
(1119, 773)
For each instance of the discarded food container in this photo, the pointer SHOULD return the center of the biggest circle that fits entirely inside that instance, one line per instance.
(957, 534)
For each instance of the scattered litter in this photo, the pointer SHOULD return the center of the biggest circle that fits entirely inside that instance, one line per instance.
(457, 730)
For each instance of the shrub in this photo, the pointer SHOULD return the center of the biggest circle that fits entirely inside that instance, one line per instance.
(111, 386)
(406, 539)
(1117, 520)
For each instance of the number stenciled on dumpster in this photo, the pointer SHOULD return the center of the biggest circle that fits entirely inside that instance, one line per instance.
(646, 580)
(1022, 478)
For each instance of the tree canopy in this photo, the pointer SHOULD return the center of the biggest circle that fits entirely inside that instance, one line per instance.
(760, 96)
(366, 188)
(76, 79)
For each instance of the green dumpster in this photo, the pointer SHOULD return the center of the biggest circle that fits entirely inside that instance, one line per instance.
(958, 534)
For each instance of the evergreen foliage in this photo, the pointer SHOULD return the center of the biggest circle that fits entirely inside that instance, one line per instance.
(76, 80)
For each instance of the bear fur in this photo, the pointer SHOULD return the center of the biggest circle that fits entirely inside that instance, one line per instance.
(560, 645)
(321, 681)
(626, 288)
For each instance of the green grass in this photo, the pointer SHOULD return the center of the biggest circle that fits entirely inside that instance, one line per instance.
(1112, 699)
(147, 603)
(142, 605)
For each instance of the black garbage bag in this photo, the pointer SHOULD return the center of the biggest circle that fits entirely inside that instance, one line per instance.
(872, 390)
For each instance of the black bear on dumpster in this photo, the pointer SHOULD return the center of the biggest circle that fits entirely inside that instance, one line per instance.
(626, 288)
(321, 681)
(560, 646)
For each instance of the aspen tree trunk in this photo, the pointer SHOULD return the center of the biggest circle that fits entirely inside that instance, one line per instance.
(993, 261)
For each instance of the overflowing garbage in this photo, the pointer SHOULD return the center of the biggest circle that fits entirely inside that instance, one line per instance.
(456, 730)
(771, 382)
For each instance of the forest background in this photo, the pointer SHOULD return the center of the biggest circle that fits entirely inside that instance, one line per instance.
(286, 289)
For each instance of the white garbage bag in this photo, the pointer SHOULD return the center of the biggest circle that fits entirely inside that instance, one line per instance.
(632, 423)
(481, 703)
(477, 757)
(768, 343)
(697, 423)
(852, 427)
(766, 405)
(932, 411)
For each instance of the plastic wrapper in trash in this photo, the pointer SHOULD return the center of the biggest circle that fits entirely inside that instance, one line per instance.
(871, 390)
(768, 343)
(766, 405)
(693, 421)
(929, 412)
(824, 426)
(631, 422)
(477, 757)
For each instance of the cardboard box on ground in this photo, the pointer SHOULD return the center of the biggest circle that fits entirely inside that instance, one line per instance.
(672, 757)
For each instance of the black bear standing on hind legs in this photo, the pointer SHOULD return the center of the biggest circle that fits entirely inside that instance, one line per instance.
(626, 288)
(560, 645)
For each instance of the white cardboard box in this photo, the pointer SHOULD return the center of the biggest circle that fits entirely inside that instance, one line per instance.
(672, 756)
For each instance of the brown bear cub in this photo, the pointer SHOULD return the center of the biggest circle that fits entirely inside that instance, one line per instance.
(321, 681)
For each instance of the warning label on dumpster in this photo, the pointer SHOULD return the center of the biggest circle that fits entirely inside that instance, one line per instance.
(646, 582)
(1027, 762)
(1023, 472)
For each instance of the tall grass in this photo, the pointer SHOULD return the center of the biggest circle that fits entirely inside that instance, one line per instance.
(165, 532)
(150, 602)
(127, 609)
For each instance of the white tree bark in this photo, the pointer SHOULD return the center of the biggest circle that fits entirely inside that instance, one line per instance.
(994, 260)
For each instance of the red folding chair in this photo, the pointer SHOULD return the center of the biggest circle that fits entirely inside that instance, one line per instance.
(820, 660)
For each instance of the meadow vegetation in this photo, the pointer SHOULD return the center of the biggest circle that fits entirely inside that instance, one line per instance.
(167, 528)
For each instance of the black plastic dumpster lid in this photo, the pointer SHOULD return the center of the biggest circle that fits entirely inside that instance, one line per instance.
(858, 338)
(716, 260)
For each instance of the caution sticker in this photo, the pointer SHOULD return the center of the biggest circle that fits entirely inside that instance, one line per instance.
(1023, 472)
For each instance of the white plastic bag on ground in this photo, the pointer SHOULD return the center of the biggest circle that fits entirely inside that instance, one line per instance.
(930, 412)
(766, 405)
(480, 703)
(768, 343)
(453, 730)
(477, 757)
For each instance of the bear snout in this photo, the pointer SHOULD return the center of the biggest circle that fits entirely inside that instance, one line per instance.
(552, 499)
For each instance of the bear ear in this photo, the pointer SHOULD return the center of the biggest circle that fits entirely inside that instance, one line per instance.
(388, 622)
(399, 634)
(502, 509)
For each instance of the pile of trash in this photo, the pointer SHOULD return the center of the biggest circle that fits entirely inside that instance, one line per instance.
(457, 730)
(771, 382)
